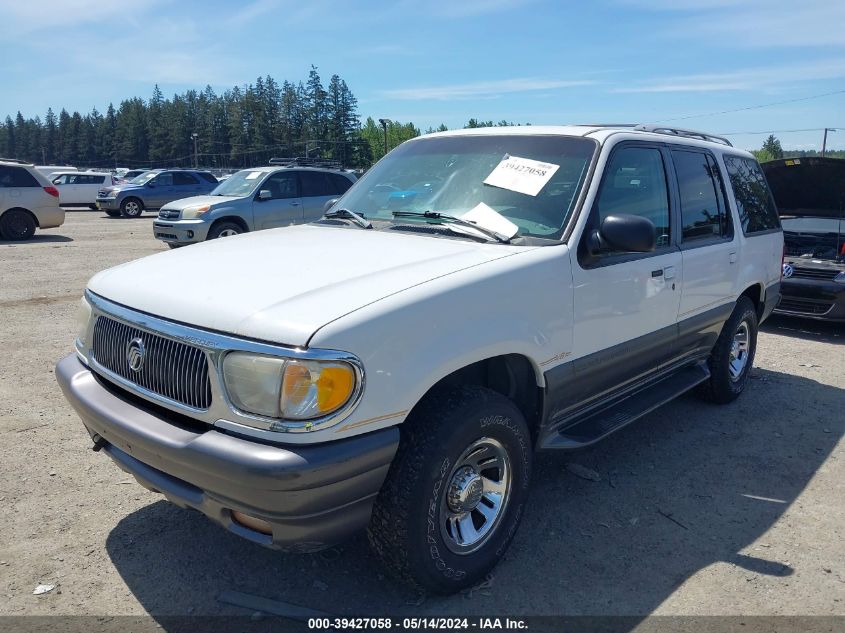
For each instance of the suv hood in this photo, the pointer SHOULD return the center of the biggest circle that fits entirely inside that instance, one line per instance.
(193, 201)
(282, 285)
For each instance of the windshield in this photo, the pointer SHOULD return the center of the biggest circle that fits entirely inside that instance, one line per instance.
(242, 183)
(447, 175)
(144, 178)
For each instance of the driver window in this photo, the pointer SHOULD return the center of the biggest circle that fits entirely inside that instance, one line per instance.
(635, 184)
(281, 185)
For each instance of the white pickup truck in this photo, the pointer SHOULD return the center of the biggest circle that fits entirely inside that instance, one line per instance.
(477, 296)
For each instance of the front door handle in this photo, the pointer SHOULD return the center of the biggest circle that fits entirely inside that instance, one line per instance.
(669, 272)
(294, 204)
(732, 258)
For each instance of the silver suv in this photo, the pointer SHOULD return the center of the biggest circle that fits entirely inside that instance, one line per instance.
(252, 199)
(27, 201)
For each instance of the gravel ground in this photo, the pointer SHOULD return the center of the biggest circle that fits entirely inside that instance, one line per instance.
(699, 509)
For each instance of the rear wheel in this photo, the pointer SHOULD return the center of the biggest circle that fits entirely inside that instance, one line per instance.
(131, 208)
(732, 357)
(17, 225)
(224, 229)
(456, 489)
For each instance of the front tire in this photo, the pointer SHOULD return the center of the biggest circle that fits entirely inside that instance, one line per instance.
(131, 208)
(456, 490)
(17, 225)
(732, 357)
(224, 229)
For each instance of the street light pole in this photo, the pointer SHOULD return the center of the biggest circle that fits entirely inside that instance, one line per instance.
(196, 156)
(824, 142)
(384, 123)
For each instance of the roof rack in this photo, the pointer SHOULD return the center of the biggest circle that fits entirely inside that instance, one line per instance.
(677, 131)
(15, 160)
(306, 162)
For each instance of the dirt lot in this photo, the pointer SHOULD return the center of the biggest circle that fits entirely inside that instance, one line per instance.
(699, 510)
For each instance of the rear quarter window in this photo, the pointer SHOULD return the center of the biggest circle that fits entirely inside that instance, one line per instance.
(757, 211)
(207, 177)
(16, 177)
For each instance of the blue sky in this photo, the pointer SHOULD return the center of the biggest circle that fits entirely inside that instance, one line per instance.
(433, 61)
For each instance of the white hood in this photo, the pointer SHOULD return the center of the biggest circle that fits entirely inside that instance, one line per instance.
(283, 284)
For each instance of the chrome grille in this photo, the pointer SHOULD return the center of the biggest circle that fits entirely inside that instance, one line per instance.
(169, 214)
(170, 369)
(813, 273)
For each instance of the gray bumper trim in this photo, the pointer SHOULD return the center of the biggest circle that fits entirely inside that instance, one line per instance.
(313, 496)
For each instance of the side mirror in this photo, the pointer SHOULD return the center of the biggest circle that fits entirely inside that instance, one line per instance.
(329, 204)
(265, 194)
(623, 232)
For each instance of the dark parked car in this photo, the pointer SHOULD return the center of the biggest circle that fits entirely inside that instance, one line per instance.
(154, 189)
(810, 195)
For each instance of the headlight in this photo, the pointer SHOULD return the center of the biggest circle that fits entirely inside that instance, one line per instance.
(288, 389)
(195, 212)
(83, 316)
(840, 278)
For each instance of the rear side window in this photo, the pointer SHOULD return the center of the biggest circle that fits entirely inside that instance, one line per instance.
(164, 180)
(635, 183)
(754, 202)
(315, 184)
(207, 177)
(183, 178)
(703, 209)
(16, 177)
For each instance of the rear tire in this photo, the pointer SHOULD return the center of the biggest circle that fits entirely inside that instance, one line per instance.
(732, 357)
(455, 492)
(224, 229)
(131, 208)
(17, 225)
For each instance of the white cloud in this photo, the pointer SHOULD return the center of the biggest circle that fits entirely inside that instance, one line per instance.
(768, 77)
(753, 23)
(22, 18)
(481, 89)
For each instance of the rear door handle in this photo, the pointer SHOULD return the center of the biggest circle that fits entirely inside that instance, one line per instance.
(669, 272)
(294, 204)
(657, 273)
(732, 258)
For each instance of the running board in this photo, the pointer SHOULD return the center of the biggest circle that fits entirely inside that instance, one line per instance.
(597, 425)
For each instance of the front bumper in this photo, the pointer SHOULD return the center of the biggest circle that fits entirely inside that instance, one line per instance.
(812, 299)
(181, 231)
(312, 496)
(108, 204)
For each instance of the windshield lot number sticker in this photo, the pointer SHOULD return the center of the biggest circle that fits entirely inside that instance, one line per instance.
(522, 175)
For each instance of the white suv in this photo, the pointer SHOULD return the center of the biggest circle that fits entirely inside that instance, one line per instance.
(27, 201)
(478, 295)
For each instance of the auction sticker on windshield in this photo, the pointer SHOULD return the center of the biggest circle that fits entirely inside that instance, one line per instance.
(522, 175)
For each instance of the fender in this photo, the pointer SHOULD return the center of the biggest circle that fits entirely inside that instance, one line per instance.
(411, 340)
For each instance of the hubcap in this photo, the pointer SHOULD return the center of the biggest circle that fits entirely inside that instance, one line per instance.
(132, 208)
(228, 232)
(739, 351)
(476, 496)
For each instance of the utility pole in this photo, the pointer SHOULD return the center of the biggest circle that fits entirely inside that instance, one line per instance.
(824, 142)
(194, 136)
(384, 123)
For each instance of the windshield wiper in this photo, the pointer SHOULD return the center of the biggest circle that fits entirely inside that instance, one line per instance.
(436, 215)
(346, 214)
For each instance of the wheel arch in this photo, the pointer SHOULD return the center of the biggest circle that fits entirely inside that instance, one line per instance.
(229, 218)
(755, 292)
(25, 210)
(514, 376)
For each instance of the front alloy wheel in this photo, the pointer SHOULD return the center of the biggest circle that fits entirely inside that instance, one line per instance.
(475, 500)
